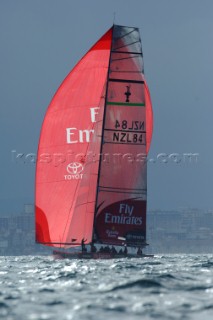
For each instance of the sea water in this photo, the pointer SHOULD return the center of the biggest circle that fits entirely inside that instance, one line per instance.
(163, 287)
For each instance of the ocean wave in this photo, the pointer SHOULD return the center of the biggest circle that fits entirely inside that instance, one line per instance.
(142, 283)
(166, 287)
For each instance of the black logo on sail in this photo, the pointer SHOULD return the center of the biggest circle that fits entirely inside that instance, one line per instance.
(127, 93)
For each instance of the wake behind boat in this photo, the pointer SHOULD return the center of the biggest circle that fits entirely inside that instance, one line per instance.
(91, 173)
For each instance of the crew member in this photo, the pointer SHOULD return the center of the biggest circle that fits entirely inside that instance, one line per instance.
(83, 248)
(93, 247)
(125, 250)
(139, 252)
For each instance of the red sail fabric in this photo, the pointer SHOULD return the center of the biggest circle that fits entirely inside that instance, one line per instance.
(122, 187)
(66, 179)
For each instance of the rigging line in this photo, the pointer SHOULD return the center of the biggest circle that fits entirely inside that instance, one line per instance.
(89, 144)
(83, 203)
(102, 138)
(71, 208)
(101, 103)
(126, 45)
(77, 187)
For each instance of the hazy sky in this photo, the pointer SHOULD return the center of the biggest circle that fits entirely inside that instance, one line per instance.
(40, 42)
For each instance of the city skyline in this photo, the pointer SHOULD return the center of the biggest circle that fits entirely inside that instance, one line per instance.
(189, 231)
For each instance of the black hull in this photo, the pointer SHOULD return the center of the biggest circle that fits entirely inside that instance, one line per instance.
(96, 255)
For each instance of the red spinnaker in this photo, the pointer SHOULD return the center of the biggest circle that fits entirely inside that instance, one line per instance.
(66, 133)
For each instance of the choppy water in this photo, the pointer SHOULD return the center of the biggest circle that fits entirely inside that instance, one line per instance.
(164, 287)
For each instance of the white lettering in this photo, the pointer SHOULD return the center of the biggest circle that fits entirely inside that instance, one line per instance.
(123, 219)
(73, 176)
(87, 133)
(84, 135)
(124, 208)
(130, 210)
(93, 113)
(69, 134)
(107, 217)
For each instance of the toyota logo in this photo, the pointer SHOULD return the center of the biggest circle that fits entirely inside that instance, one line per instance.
(75, 168)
